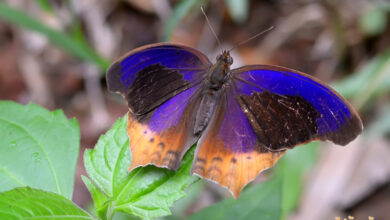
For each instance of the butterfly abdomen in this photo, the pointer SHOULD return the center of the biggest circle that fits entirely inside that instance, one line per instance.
(205, 110)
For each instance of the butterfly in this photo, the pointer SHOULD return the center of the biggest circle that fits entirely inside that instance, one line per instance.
(243, 119)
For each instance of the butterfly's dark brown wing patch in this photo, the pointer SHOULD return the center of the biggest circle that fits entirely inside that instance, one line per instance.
(153, 86)
(280, 121)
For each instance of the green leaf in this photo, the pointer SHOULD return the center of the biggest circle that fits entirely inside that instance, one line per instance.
(291, 168)
(178, 13)
(238, 9)
(373, 21)
(262, 201)
(45, 5)
(99, 199)
(147, 192)
(38, 148)
(28, 203)
(107, 164)
(370, 82)
(62, 40)
(124, 216)
(180, 208)
(381, 123)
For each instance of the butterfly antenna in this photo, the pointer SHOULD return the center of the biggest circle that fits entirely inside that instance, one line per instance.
(211, 27)
(251, 38)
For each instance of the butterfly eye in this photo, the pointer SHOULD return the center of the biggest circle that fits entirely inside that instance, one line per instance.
(219, 57)
(229, 60)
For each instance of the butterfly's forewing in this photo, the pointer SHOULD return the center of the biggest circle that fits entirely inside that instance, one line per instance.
(286, 107)
(152, 74)
(229, 151)
(160, 83)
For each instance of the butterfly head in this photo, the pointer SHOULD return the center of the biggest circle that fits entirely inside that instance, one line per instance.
(225, 58)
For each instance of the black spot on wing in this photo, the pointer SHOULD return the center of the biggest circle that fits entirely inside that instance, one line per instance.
(200, 160)
(216, 159)
(162, 145)
(171, 159)
(153, 86)
(214, 171)
(199, 166)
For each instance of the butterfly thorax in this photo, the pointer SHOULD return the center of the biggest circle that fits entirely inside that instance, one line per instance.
(219, 72)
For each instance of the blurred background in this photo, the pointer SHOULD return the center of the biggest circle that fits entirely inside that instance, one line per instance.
(55, 52)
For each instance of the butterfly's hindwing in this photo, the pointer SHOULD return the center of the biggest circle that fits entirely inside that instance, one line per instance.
(228, 151)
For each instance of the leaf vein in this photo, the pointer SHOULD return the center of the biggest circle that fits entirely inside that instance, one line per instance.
(13, 177)
(41, 147)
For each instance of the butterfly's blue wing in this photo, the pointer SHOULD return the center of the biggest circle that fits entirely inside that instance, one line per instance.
(288, 107)
(161, 84)
(262, 111)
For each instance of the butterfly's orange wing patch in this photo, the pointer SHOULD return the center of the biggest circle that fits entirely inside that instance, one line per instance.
(214, 161)
(229, 152)
(164, 149)
(164, 137)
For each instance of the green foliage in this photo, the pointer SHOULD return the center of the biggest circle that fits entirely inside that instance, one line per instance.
(180, 208)
(180, 10)
(45, 5)
(238, 9)
(262, 201)
(292, 167)
(374, 20)
(28, 203)
(147, 192)
(99, 199)
(381, 124)
(367, 84)
(73, 46)
(38, 148)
